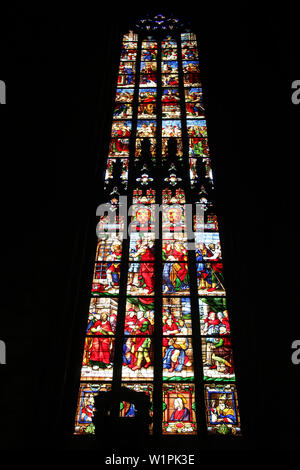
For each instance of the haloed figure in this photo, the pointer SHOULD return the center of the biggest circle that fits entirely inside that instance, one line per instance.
(181, 413)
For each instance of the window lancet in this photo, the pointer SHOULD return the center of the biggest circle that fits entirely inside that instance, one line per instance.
(158, 321)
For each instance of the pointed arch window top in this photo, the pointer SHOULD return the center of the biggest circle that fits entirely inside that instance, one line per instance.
(160, 22)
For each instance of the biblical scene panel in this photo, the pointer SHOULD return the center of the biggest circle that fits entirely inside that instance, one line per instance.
(139, 317)
(175, 279)
(169, 66)
(197, 128)
(129, 53)
(140, 279)
(214, 320)
(148, 80)
(177, 318)
(169, 95)
(106, 279)
(170, 80)
(126, 80)
(147, 95)
(174, 249)
(149, 52)
(168, 42)
(121, 128)
(179, 407)
(86, 406)
(137, 358)
(189, 52)
(146, 128)
(119, 148)
(149, 44)
(129, 45)
(169, 54)
(198, 146)
(102, 317)
(127, 68)
(217, 358)
(170, 110)
(98, 356)
(109, 248)
(191, 72)
(122, 111)
(193, 95)
(141, 247)
(147, 110)
(194, 109)
(171, 128)
(177, 353)
(210, 278)
(222, 413)
(124, 95)
(208, 246)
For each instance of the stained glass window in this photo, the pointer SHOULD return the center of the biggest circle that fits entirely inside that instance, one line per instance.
(158, 322)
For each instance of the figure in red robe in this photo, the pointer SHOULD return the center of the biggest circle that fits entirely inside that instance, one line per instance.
(101, 347)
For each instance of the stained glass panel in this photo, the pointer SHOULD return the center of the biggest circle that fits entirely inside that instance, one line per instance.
(139, 317)
(125, 95)
(197, 128)
(141, 245)
(176, 313)
(177, 356)
(198, 146)
(102, 316)
(170, 80)
(106, 278)
(144, 275)
(213, 316)
(179, 407)
(175, 278)
(119, 148)
(222, 414)
(171, 128)
(147, 110)
(98, 356)
(122, 111)
(86, 406)
(210, 278)
(217, 358)
(146, 128)
(121, 128)
(137, 358)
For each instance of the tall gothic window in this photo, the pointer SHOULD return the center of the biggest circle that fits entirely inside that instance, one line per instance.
(158, 321)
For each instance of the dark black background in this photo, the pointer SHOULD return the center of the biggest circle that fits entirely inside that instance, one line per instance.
(60, 71)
